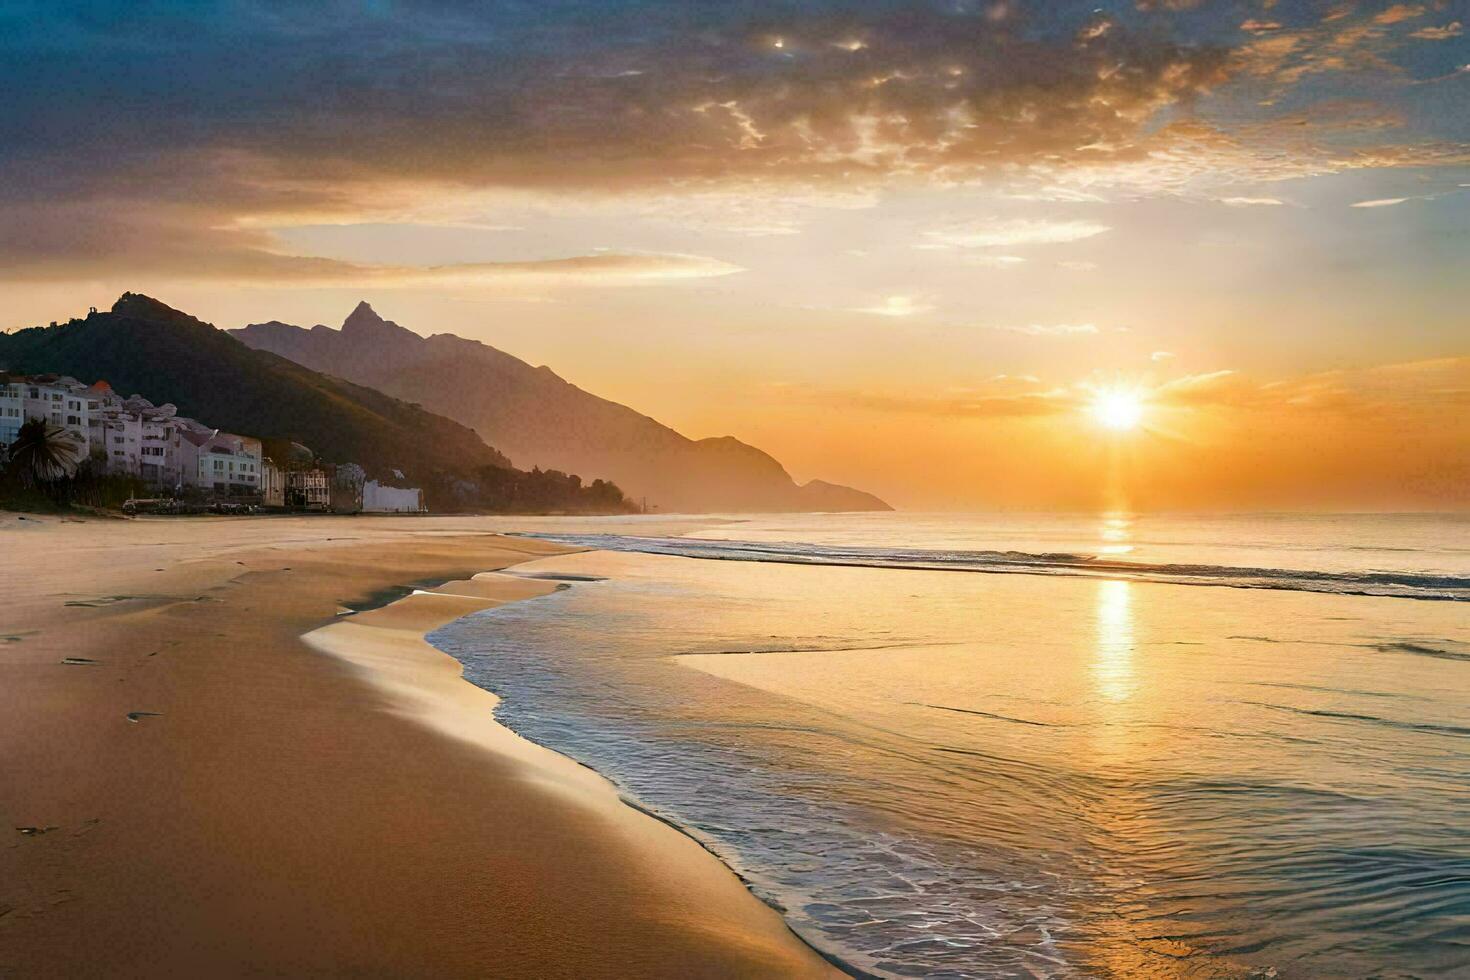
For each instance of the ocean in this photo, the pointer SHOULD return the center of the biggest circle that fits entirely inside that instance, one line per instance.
(999, 745)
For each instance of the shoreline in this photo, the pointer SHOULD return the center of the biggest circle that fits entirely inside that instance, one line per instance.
(412, 670)
(204, 790)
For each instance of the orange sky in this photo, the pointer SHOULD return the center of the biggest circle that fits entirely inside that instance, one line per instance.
(895, 245)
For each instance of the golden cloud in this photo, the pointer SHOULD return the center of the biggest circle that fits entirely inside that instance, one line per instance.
(57, 244)
(1442, 33)
(1013, 233)
(1394, 394)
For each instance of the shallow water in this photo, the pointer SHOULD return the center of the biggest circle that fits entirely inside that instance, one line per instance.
(942, 774)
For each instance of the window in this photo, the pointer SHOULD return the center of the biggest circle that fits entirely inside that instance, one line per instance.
(56, 396)
(73, 420)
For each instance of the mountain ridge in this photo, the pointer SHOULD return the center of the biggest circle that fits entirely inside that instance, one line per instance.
(143, 345)
(538, 418)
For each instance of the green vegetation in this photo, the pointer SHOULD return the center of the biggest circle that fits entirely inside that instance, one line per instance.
(549, 491)
(43, 454)
(83, 488)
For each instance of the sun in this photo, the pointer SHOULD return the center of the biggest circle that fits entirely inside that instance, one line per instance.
(1116, 408)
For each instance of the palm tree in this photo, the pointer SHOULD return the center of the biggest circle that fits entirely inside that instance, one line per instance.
(44, 453)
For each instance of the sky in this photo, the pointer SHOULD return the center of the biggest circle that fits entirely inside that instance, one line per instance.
(898, 245)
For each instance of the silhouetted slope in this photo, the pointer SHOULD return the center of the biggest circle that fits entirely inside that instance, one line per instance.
(537, 418)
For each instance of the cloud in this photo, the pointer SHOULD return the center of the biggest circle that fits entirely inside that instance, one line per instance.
(972, 404)
(202, 122)
(1452, 29)
(602, 269)
(1195, 158)
(40, 244)
(1012, 233)
(1054, 330)
(1245, 202)
(1214, 388)
(1161, 355)
(1074, 265)
(1382, 202)
(1383, 392)
(996, 261)
(189, 125)
(1393, 394)
(895, 306)
(1399, 12)
(541, 95)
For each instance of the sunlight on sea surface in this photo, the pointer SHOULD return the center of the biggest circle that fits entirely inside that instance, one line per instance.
(937, 773)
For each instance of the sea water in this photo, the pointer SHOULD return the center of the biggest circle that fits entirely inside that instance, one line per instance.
(1023, 746)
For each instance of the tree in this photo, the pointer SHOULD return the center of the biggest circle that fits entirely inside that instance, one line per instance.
(44, 453)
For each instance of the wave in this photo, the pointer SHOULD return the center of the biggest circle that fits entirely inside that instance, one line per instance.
(1408, 726)
(988, 714)
(1400, 585)
(1424, 650)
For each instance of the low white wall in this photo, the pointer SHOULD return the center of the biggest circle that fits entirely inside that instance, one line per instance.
(378, 499)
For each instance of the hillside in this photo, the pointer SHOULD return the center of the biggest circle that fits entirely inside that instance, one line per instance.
(143, 346)
(539, 419)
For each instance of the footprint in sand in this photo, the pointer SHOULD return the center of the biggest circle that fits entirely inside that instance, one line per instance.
(77, 661)
(137, 716)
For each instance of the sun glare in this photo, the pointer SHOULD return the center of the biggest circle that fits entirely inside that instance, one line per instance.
(1117, 409)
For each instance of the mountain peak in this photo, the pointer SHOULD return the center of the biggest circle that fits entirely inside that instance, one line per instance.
(141, 307)
(362, 315)
(537, 418)
(364, 325)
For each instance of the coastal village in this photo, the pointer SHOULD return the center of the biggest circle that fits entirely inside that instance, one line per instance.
(184, 459)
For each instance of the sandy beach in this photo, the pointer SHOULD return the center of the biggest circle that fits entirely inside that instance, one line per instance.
(207, 768)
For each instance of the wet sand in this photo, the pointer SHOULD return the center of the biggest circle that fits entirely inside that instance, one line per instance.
(205, 769)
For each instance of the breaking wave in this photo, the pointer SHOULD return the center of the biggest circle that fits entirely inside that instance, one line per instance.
(1392, 584)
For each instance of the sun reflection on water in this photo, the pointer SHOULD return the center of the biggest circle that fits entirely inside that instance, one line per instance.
(1112, 665)
(1116, 530)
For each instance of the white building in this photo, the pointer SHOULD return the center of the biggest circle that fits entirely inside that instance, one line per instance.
(55, 399)
(380, 499)
(135, 437)
(12, 411)
(227, 463)
(132, 436)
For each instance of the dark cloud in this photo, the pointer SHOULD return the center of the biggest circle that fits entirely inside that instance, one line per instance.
(530, 94)
(166, 126)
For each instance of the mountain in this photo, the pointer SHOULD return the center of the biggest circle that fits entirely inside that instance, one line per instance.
(143, 346)
(538, 419)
